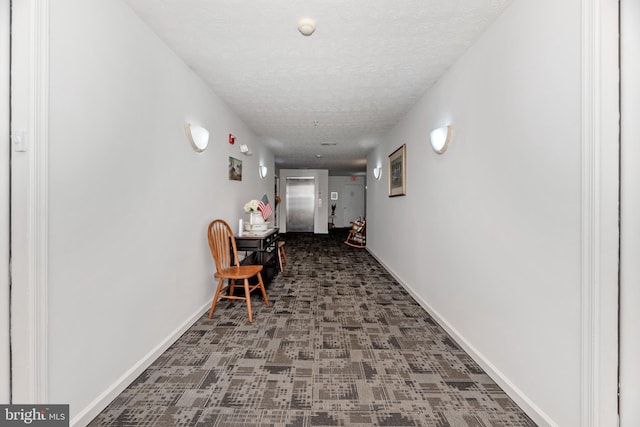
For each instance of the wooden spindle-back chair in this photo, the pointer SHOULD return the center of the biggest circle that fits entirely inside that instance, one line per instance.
(223, 245)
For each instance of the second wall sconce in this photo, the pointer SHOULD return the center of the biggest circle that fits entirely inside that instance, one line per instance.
(197, 136)
(377, 173)
(440, 138)
(306, 26)
(262, 171)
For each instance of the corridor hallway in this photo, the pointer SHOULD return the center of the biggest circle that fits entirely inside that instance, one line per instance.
(342, 343)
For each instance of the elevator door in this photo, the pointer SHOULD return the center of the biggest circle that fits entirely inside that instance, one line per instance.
(300, 195)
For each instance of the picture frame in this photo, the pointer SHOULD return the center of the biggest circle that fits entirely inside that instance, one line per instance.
(334, 195)
(235, 169)
(397, 170)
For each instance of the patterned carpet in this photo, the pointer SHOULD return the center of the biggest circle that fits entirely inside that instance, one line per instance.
(341, 344)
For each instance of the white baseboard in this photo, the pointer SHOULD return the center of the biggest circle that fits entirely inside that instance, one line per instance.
(521, 399)
(85, 416)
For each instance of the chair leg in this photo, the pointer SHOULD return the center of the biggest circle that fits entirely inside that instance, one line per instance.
(247, 293)
(264, 292)
(282, 256)
(215, 298)
(232, 287)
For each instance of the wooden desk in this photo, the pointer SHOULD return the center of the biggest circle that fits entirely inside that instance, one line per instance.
(264, 250)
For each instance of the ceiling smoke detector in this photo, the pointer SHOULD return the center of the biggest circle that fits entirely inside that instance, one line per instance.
(306, 26)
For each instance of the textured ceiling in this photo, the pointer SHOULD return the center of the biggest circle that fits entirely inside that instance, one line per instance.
(366, 65)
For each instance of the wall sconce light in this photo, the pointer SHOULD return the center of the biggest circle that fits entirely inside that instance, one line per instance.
(306, 26)
(262, 171)
(440, 138)
(377, 173)
(197, 136)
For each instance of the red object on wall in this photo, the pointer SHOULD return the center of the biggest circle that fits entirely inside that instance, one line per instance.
(354, 178)
(232, 139)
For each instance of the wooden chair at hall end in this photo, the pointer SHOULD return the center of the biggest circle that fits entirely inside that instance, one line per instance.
(222, 243)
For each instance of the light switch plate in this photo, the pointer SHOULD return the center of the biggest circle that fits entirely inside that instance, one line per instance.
(19, 138)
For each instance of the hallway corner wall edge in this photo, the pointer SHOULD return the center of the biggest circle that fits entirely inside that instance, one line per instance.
(5, 148)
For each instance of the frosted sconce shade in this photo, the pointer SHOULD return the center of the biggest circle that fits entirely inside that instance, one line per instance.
(197, 136)
(377, 173)
(262, 171)
(306, 26)
(440, 138)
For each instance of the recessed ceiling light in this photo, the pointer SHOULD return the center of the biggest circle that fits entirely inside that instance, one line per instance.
(318, 155)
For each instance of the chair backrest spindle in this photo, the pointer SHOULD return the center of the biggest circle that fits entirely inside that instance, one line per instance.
(222, 243)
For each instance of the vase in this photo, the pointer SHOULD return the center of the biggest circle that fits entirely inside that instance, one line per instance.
(255, 218)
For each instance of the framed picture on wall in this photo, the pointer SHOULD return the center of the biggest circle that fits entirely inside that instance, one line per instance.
(334, 195)
(397, 168)
(235, 169)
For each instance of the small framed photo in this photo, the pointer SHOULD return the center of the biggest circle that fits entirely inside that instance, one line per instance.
(397, 168)
(235, 169)
(334, 195)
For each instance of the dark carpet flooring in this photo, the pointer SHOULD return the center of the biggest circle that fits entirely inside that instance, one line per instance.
(341, 344)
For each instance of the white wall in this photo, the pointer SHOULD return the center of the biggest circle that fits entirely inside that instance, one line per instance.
(129, 200)
(494, 224)
(321, 216)
(630, 216)
(4, 203)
